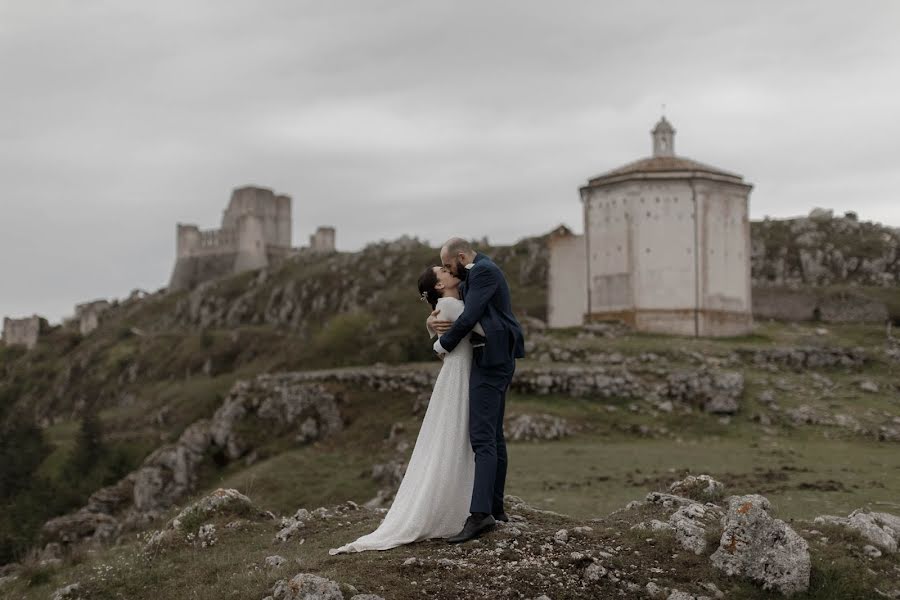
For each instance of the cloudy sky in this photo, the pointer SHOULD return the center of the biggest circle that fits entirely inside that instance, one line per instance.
(119, 119)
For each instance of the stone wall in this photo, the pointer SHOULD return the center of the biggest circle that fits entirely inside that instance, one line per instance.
(567, 286)
(816, 304)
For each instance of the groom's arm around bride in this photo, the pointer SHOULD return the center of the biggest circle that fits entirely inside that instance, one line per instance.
(487, 301)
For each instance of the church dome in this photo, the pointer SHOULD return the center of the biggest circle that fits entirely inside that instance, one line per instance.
(664, 164)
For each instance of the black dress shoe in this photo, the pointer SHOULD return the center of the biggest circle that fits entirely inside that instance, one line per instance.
(501, 517)
(475, 526)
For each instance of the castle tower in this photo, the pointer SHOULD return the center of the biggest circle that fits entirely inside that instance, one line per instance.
(251, 243)
(322, 240)
(256, 228)
(666, 247)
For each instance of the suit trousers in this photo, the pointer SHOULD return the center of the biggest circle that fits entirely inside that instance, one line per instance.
(487, 403)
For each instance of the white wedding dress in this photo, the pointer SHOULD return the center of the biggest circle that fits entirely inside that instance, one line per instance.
(434, 496)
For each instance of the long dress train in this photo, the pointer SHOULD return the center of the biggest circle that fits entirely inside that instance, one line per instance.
(433, 498)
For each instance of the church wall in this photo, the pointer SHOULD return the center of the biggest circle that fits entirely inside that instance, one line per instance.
(724, 258)
(608, 250)
(567, 289)
(664, 273)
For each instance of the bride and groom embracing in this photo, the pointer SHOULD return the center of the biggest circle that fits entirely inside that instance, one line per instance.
(458, 465)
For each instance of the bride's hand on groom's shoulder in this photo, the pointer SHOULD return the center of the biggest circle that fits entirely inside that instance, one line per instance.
(438, 325)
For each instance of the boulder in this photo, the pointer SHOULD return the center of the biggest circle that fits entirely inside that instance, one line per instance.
(69, 592)
(691, 523)
(537, 427)
(307, 586)
(80, 525)
(882, 529)
(766, 550)
(700, 487)
(226, 501)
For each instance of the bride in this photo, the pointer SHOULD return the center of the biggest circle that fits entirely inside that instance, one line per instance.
(434, 495)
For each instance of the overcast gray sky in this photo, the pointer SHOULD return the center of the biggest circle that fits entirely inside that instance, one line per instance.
(118, 119)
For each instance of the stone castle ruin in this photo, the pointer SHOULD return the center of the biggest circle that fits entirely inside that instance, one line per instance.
(322, 240)
(666, 248)
(24, 331)
(87, 315)
(255, 233)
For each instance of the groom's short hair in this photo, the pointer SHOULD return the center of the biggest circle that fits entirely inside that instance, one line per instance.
(455, 245)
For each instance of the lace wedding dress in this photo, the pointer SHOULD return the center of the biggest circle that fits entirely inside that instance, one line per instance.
(433, 499)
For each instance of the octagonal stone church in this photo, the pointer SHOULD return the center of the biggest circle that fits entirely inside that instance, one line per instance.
(666, 248)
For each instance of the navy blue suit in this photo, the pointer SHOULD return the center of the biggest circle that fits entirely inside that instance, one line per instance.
(488, 302)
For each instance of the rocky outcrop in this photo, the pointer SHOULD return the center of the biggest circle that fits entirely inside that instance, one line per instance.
(81, 525)
(192, 525)
(822, 249)
(767, 550)
(691, 520)
(882, 529)
(281, 405)
(269, 405)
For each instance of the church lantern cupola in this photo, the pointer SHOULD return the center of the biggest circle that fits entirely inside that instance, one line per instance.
(663, 138)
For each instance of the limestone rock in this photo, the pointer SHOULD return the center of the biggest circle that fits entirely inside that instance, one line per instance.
(111, 499)
(665, 500)
(594, 571)
(293, 524)
(537, 427)
(283, 403)
(275, 561)
(80, 525)
(69, 592)
(882, 529)
(307, 586)
(700, 487)
(170, 471)
(690, 524)
(867, 385)
(713, 391)
(764, 549)
(223, 500)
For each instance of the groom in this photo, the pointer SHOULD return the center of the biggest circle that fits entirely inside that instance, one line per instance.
(486, 295)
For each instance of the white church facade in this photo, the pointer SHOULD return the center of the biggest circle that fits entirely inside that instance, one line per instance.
(666, 248)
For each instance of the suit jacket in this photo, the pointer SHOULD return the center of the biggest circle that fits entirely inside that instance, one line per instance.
(488, 302)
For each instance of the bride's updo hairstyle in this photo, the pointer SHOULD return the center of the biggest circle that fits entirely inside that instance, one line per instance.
(427, 280)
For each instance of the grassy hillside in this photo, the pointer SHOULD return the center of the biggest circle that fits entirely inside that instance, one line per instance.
(157, 364)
